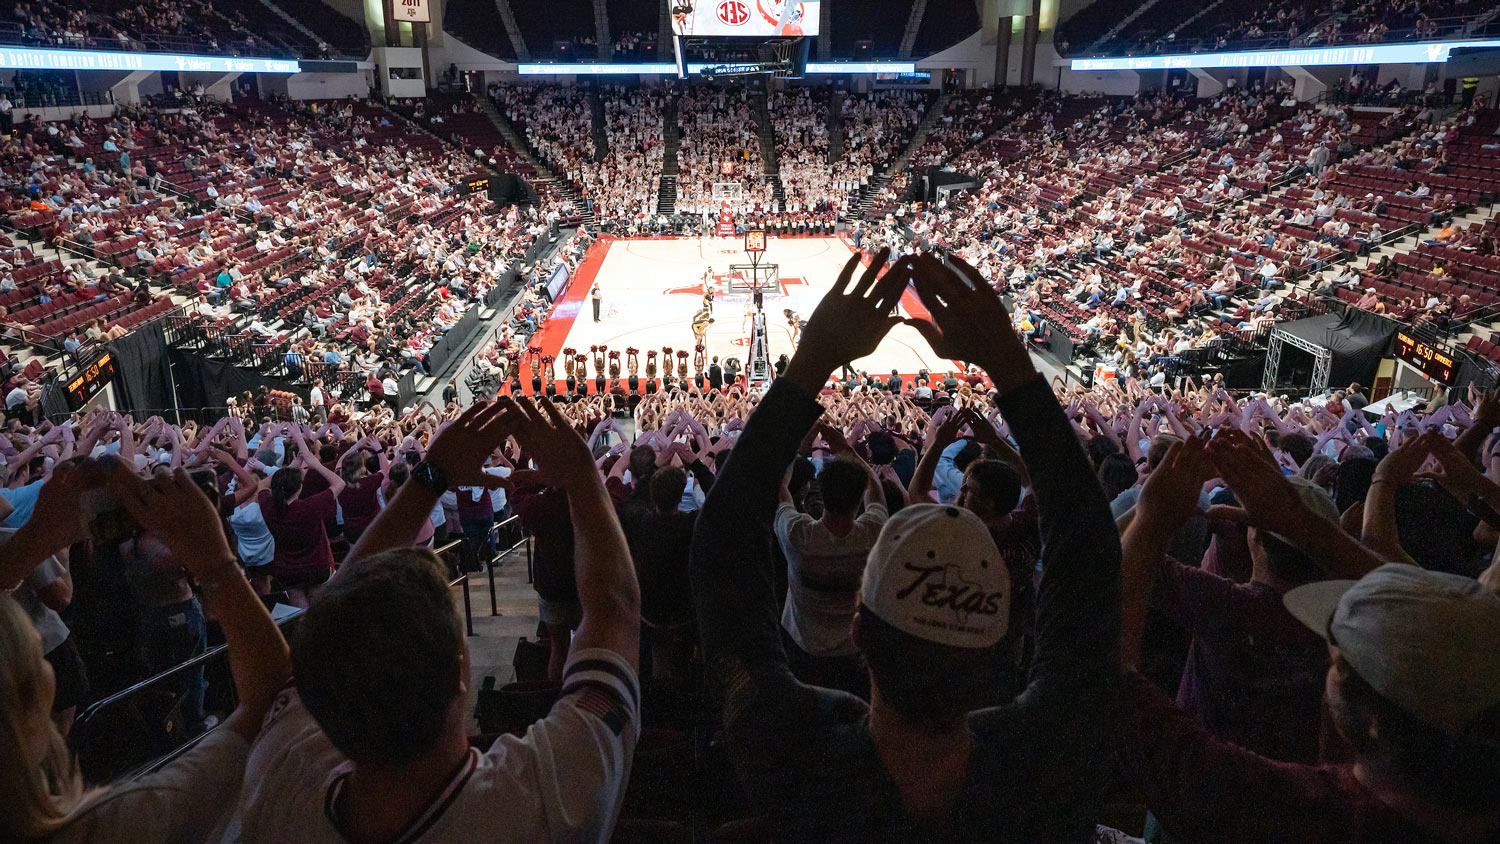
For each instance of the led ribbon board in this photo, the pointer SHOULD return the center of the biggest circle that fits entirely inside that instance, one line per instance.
(603, 69)
(1431, 52)
(27, 58)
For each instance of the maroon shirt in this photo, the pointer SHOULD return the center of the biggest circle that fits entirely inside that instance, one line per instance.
(1254, 674)
(1207, 791)
(301, 542)
(360, 504)
(544, 514)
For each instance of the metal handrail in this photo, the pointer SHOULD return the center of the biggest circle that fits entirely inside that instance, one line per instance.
(90, 712)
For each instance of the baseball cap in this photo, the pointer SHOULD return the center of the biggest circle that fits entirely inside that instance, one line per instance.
(1423, 640)
(936, 574)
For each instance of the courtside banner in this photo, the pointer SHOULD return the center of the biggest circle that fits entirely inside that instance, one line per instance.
(26, 58)
(1432, 52)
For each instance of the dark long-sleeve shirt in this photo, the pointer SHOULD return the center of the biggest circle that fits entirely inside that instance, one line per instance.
(1205, 790)
(544, 514)
(806, 754)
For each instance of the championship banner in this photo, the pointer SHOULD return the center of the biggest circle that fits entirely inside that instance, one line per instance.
(726, 221)
(412, 11)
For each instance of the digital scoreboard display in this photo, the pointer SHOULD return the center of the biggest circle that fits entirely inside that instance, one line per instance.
(755, 241)
(87, 383)
(759, 18)
(1429, 360)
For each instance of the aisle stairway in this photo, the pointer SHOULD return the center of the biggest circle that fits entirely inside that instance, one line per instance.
(835, 126)
(666, 197)
(601, 30)
(766, 132)
(1201, 12)
(876, 185)
(1120, 27)
(601, 137)
(545, 177)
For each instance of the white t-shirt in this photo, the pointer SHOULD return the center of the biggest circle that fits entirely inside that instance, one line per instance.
(823, 577)
(182, 802)
(497, 495)
(563, 781)
(15, 398)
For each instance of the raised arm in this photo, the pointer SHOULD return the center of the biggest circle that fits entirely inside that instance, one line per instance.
(181, 516)
(874, 493)
(1396, 469)
(732, 556)
(1078, 601)
(457, 454)
(939, 437)
(1486, 418)
(335, 483)
(1268, 501)
(607, 587)
(1168, 498)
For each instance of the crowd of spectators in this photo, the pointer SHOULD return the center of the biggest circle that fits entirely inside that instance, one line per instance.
(1139, 228)
(822, 184)
(326, 228)
(1299, 23)
(198, 26)
(912, 608)
(720, 145)
(973, 601)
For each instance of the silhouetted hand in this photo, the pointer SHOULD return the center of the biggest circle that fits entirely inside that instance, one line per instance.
(969, 322)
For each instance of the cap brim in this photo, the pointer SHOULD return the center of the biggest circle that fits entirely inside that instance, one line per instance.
(1313, 603)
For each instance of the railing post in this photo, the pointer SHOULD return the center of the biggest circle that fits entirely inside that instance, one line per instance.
(490, 570)
(468, 606)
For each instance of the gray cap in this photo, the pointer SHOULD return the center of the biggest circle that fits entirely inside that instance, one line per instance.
(1424, 640)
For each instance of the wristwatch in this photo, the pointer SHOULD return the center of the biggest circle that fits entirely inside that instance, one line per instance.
(430, 476)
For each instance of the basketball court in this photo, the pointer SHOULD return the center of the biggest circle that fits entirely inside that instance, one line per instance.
(653, 287)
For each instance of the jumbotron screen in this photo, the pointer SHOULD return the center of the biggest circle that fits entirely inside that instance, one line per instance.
(760, 18)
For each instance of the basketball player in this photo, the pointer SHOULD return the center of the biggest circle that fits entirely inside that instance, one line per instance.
(794, 326)
(701, 321)
(708, 294)
(751, 309)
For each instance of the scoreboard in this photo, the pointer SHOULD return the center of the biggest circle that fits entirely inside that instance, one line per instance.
(756, 18)
(89, 381)
(1426, 358)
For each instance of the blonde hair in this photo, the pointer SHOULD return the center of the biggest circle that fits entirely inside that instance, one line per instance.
(36, 792)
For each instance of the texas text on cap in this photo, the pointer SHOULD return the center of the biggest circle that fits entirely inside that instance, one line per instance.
(1424, 640)
(936, 574)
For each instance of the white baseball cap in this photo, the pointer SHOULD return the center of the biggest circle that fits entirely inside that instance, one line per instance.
(936, 574)
(1424, 640)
